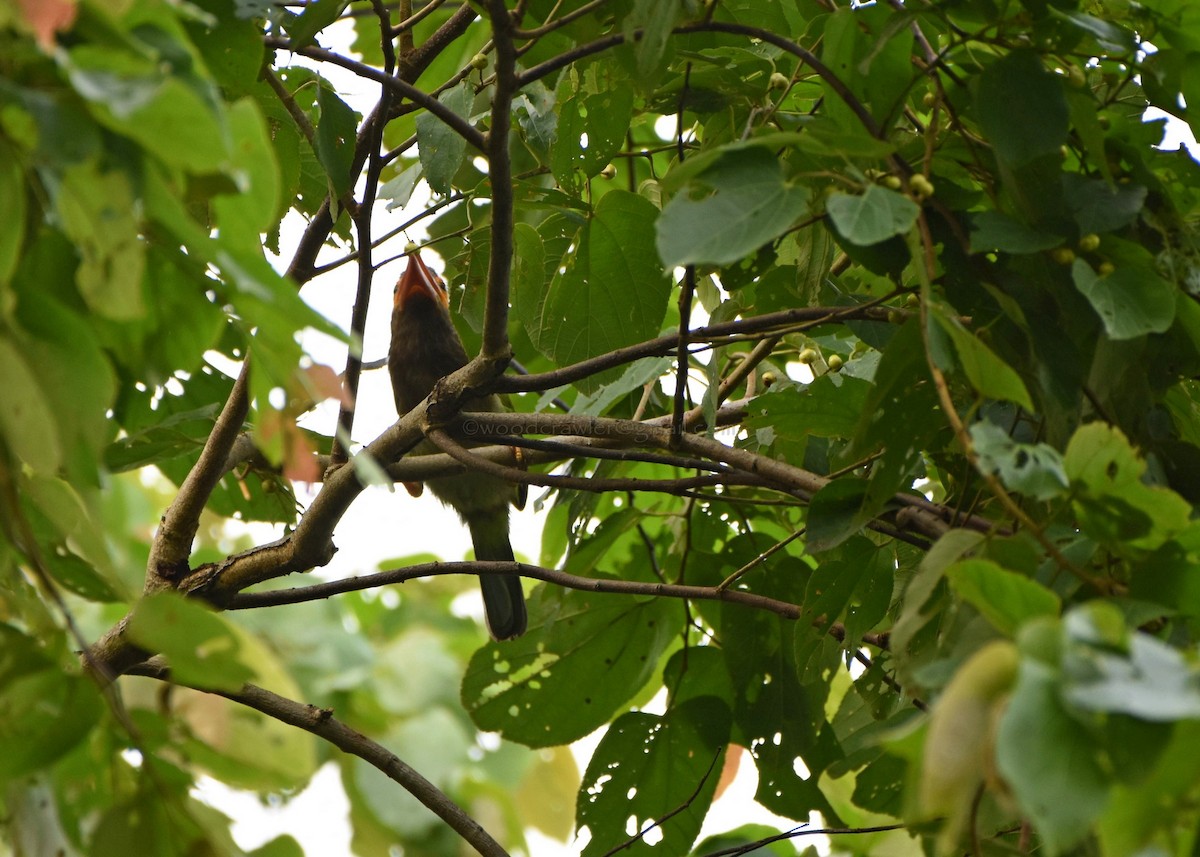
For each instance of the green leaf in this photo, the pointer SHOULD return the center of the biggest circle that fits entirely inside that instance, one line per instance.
(836, 512)
(316, 16)
(1021, 108)
(398, 190)
(46, 711)
(591, 130)
(988, 374)
(655, 22)
(873, 216)
(610, 291)
(958, 743)
(1136, 811)
(854, 585)
(1131, 301)
(281, 846)
(747, 839)
(28, 424)
(1107, 34)
(1049, 761)
(992, 230)
(73, 373)
(775, 715)
(334, 141)
(176, 121)
(1033, 469)
(253, 209)
(99, 215)
(729, 210)
(1005, 598)
(12, 189)
(1112, 502)
(78, 538)
(201, 649)
(441, 147)
(1150, 680)
(1099, 206)
(828, 407)
(584, 655)
(648, 766)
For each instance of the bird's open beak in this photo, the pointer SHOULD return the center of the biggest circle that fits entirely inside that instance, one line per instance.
(418, 281)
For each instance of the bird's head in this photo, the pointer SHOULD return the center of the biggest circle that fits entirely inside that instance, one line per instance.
(419, 283)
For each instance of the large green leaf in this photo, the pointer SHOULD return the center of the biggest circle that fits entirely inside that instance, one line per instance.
(1034, 469)
(46, 710)
(1050, 762)
(1131, 301)
(591, 129)
(1149, 680)
(334, 141)
(648, 766)
(1021, 108)
(729, 210)
(176, 118)
(440, 146)
(200, 646)
(12, 188)
(828, 407)
(872, 217)
(29, 426)
(1113, 503)
(1005, 598)
(609, 290)
(584, 655)
(988, 374)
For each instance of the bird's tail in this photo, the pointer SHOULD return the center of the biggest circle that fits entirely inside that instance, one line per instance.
(503, 599)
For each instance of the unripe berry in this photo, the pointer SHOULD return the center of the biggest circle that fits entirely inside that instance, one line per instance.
(920, 185)
(808, 356)
(1063, 255)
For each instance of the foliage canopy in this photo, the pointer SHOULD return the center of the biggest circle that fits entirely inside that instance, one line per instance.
(933, 289)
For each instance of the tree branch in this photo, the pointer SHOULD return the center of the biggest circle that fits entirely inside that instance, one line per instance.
(919, 514)
(801, 318)
(807, 57)
(318, 591)
(364, 215)
(495, 344)
(398, 85)
(322, 723)
(681, 485)
(172, 544)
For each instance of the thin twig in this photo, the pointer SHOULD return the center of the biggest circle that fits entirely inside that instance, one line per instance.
(399, 85)
(328, 589)
(760, 559)
(366, 271)
(800, 318)
(594, 484)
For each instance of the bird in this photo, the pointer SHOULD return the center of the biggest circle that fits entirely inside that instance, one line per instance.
(425, 348)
